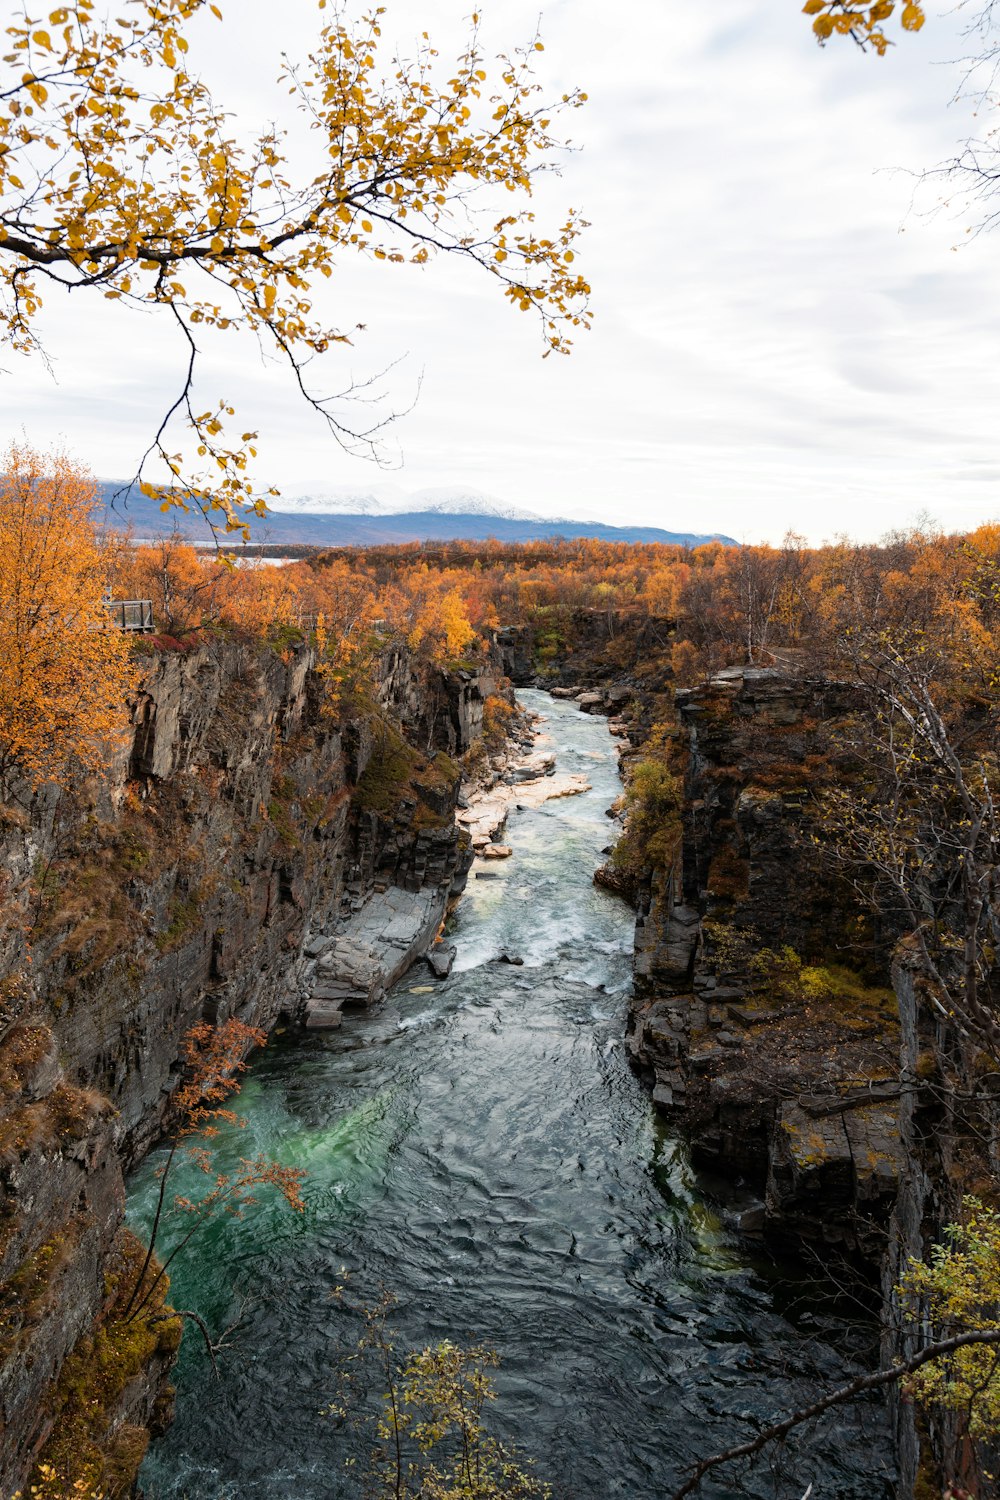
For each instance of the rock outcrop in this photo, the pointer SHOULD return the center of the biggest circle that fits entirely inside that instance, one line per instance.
(255, 853)
(750, 1014)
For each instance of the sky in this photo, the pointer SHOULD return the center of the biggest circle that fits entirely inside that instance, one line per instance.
(789, 333)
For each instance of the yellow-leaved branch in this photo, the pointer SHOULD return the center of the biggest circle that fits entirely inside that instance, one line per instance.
(119, 172)
(864, 24)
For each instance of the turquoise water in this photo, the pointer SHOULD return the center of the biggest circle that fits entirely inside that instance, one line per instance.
(481, 1148)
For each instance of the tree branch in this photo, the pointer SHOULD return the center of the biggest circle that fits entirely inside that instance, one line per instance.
(856, 1387)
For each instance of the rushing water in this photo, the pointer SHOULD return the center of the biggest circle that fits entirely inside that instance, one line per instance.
(481, 1148)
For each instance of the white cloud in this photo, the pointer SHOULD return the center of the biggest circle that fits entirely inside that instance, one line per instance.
(769, 349)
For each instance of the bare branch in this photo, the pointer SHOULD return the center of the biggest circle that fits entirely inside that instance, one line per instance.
(857, 1387)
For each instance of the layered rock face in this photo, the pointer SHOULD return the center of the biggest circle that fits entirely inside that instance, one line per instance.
(750, 1014)
(252, 853)
(837, 1107)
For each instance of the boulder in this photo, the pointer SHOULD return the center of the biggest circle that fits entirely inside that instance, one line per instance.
(497, 851)
(322, 1015)
(441, 959)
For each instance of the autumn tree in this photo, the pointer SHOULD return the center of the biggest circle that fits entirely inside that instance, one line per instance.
(120, 175)
(441, 627)
(185, 592)
(191, 591)
(919, 822)
(64, 672)
(432, 1438)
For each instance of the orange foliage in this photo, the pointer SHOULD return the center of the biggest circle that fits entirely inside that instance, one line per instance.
(64, 674)
(215, 1058)
(191, 591)
(716, 605)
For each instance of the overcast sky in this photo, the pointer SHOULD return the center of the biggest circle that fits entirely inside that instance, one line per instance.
(780, 340)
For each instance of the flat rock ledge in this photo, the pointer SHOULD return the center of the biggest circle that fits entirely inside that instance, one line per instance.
(371, 949)
(530, 781)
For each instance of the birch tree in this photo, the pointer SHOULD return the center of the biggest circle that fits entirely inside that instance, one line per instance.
(122, 176)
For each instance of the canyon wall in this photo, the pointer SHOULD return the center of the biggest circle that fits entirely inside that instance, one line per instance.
(256, 851)
(764, 1015)
(759, 1012)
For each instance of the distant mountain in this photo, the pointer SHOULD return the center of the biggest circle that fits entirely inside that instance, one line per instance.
(391, 500)
(374, 521)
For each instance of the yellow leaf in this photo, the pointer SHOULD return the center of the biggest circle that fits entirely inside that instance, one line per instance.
(912, 18)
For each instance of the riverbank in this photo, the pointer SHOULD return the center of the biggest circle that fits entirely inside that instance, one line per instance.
(523, 779)
(389, 927)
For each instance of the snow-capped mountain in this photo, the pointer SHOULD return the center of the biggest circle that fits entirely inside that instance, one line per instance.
(383, 515)
(392, 500)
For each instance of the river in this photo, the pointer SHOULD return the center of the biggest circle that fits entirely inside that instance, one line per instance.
(480, 1147)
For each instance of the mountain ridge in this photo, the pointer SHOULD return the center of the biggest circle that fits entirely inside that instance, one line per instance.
(125, 507)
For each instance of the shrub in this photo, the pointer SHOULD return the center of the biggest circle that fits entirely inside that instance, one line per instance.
(957, 1290)
(653, 823)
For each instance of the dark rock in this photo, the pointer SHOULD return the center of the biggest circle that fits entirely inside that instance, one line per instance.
(756, 741)
(242, 875)
(323, 1015)
(751, 1221)
(441, 959)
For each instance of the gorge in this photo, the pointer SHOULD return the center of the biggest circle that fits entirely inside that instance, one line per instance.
(272, 851)
(483, 1149)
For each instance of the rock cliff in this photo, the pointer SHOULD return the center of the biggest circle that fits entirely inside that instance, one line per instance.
(254, 852)
(757, 1005)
